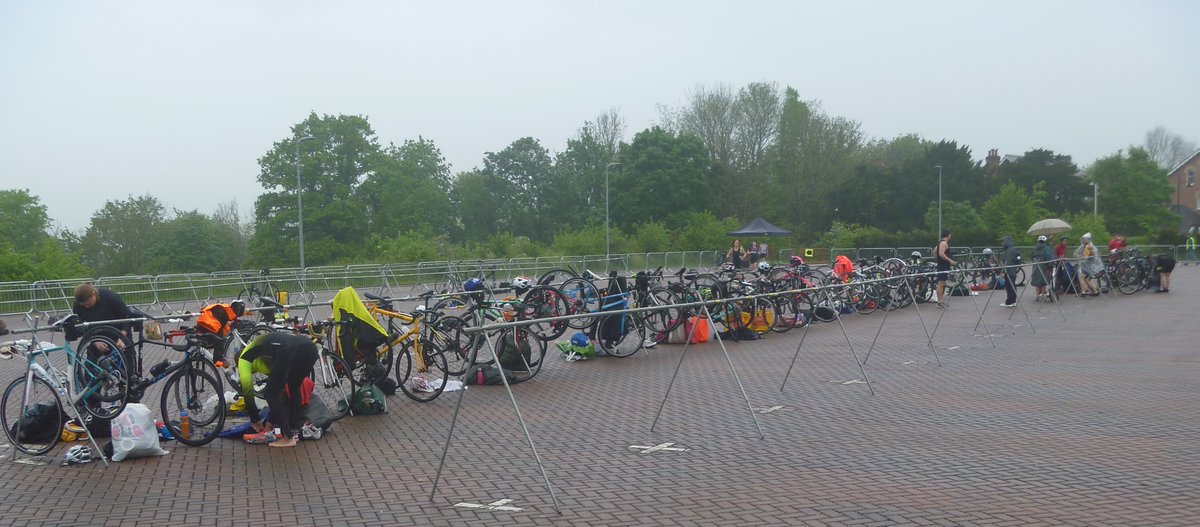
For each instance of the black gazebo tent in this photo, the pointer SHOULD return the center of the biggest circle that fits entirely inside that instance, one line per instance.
(760, 227)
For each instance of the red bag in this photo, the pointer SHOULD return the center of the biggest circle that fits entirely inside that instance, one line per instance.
(697, 330)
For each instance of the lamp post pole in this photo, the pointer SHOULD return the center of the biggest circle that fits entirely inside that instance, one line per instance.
(607, 246)
(1095, 199)
(940, 231)
(299, 200)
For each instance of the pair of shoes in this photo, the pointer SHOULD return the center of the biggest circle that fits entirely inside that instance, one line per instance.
(1008, 305)
(260, 438)
(649, 343)
(1163, 290)
(940, 304)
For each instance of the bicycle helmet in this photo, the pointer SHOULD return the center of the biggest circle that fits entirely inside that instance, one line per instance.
(796, 260)
(238, 307)
(1041, 238)
(916, 254)
(78, 455)
(579, 340)
(521, 282)
(473, 284)
(764, 266)
(987, 252)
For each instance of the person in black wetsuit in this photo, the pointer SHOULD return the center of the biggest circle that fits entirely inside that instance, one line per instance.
(287, 359)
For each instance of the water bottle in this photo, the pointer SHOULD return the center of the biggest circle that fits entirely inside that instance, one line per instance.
(185, 426)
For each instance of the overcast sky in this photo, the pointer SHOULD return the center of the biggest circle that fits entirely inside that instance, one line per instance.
(101, 100)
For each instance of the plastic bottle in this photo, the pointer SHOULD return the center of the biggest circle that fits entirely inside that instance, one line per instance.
(185, 426)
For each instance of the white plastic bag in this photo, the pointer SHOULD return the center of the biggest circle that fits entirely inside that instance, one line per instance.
(134, 434)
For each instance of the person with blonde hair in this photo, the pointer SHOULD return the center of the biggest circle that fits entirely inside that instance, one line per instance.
(1089, 265)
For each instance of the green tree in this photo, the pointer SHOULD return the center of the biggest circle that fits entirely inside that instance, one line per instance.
(119, 239)
(576, 194)
(475, 198)
(895, 151)
(192, 242)
(663, 173)
(1012, 210)
(1065, 190)
(1133, 193)
(521, 175)
(336, 225)
(956, 216)
(409, 190)
(813, 151)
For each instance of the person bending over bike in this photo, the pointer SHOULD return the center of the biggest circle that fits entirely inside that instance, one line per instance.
(287, 359)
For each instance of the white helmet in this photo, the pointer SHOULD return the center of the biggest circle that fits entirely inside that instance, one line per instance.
(987, 251)
(78, 455)
(520, 282)
(1041, 238)
(916, 254)
(764, 266)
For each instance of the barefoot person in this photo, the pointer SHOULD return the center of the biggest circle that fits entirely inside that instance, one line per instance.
(944, 263)
(287, 360)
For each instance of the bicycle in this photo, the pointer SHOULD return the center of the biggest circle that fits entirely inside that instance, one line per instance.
(98, 387)
(422, 367)
(524, 362)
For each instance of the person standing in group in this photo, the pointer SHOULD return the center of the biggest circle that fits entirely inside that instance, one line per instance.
(1042, 269)
(1163, 265)
(736, 255)
(944, 263)
(753, 252)
(287, 359)
(1116, 243)
(1089, 266)
(1012, 261)
(1190, 245)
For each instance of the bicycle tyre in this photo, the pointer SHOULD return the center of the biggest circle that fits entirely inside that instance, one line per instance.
(626, 339)
(667, 316)
(582, 297)
(448, 332)
(1127, 278)
(556, 277)
(333, 383)
(546, 302)
(194, 389)
(537, 353)
(432, 374)
(106, 372)
(11, 411)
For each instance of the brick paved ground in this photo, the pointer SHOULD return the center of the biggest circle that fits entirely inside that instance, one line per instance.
(1089, 420)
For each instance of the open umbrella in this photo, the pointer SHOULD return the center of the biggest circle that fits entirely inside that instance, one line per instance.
(1048, 227)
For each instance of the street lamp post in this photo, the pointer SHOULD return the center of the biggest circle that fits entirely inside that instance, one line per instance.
(607, 247)
(940, 231)
(1095, 199)
(299, 200)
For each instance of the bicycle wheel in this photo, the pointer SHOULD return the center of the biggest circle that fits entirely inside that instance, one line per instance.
(448, 333)
(787, 316)
(103, 375)
(556, 277)
(333, 384)
(42, 409)
(197, 392)
(1019, 277)
(582, 297)
(764, 314)
(667, 317)
(1126, 278)
(422, 375)
(525, 361)
(620, 334)
(370, 371)
(546, 302)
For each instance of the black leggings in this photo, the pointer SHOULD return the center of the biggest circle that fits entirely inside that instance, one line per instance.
(289, 369)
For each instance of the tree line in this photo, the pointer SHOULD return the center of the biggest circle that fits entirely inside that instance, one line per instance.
(723, 157)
